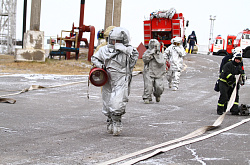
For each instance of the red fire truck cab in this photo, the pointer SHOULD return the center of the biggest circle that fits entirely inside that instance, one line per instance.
(222, 48)
(163, 26)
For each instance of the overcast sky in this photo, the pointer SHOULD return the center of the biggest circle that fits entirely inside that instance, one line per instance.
(56, 15)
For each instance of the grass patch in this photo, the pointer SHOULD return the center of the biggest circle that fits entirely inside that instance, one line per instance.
(50, 66)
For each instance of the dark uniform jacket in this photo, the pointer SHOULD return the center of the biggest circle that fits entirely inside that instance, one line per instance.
(229, 71)
(192, 40)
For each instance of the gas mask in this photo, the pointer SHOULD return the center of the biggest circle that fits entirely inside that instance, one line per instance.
(154, 45)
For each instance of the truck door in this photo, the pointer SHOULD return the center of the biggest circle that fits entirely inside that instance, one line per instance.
(230, 42)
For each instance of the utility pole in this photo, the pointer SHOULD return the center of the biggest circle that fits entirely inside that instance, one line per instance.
(212, 19)
(35, 15)
(113, 13)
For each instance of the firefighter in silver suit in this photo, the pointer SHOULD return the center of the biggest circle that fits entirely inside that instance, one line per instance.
(174, 54)
(118, 59)
(154, 72)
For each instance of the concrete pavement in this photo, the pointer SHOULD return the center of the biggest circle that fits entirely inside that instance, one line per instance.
(62, 126)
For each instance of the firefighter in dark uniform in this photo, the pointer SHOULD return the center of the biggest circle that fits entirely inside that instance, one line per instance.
(227, 82)
(226, 59)
(192, 41)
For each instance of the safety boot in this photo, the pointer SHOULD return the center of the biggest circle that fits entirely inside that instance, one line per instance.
(220, 110)
(170, 85)
(158, 98)
(174, 88)
(109, 125)
(146, 101)
(117, 125)
(117, 128)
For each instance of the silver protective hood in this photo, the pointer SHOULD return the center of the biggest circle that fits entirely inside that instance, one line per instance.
(154, 44)
(177, 39)
(119, 33)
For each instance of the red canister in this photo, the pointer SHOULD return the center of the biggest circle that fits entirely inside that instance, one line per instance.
(98, 76)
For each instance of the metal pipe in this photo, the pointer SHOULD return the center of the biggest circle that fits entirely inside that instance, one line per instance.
(24, 18)
(91, 42)
(82, 13)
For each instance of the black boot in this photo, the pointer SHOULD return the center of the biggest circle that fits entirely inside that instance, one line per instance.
(220, 110)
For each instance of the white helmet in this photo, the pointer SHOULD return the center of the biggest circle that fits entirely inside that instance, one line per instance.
(177, 40)
(154, 43)
(237, 50)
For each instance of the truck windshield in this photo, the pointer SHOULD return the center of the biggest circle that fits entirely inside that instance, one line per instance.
(245, 36)
(218, 41)
(162, 35)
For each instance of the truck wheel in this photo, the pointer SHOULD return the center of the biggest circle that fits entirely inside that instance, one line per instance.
(247, 54)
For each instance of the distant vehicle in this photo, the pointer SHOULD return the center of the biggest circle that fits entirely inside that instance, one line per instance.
(163, 26)
(219, 47)
(241, 42)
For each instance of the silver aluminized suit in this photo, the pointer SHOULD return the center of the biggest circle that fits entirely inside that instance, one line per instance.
(154, 71)
(118, 59)
(174, 54)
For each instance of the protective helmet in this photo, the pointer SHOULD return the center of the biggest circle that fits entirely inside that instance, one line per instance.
(172, 41)
(177, 40)
(119, 35)
(237, 50)
(237, 56)
(154, 44)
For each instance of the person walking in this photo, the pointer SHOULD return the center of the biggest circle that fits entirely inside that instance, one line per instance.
(118, 58)
(192, 41)
(154, 72)
(174, 55)
(227, 83)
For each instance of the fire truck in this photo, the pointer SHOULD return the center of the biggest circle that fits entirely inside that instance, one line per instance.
(219, 47)
(241, 41)
(163, 26)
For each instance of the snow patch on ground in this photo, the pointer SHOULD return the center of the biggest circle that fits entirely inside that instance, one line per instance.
(44, 76)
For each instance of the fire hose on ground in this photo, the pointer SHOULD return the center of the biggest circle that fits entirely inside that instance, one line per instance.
(164, 147)
(32, 87)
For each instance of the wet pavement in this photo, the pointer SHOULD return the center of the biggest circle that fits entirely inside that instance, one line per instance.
(62, 126)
